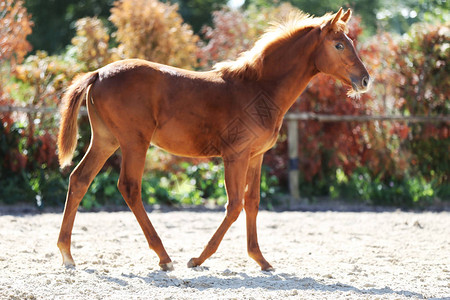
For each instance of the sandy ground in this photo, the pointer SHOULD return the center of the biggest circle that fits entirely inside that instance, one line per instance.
(317, 255)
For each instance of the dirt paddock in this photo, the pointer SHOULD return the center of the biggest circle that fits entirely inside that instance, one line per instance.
(316, 255)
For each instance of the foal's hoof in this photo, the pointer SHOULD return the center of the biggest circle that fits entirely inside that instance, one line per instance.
(268, 269)
(166, 267)
(68, 262)
(69, 265)
(191, 263)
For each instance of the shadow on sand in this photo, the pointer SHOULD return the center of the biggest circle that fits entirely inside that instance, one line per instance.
(267, 280)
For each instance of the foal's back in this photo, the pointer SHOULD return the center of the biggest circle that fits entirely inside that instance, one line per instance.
(175, 106)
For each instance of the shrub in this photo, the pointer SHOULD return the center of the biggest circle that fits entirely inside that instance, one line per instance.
(424, 89)
(15, 25)
(28, 167)
(404, 192)
(91, 44)
(154, 30)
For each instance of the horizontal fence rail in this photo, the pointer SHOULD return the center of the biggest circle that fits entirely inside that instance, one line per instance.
(291, 120)
(296, 116)
(34, 109)
(307, 116)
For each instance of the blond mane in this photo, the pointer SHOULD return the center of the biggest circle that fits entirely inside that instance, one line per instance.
(249, 63)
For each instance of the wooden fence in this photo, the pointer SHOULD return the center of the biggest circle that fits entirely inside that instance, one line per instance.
(34, 109)
(291, 119)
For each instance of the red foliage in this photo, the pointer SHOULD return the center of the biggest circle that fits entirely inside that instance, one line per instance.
(6, 119)
(226, 40)
(20, 150)
(15, 25)
(46, 151)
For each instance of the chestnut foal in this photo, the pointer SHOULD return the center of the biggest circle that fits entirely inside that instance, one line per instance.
(234, 111)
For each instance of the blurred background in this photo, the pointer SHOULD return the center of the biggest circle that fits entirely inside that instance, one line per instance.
(404, 44)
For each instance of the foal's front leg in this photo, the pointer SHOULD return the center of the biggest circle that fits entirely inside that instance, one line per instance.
(251, 205)
(235, 174)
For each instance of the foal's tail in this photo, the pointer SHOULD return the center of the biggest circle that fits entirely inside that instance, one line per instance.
(67, 137)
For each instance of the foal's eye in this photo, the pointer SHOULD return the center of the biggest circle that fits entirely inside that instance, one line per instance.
(339, 46)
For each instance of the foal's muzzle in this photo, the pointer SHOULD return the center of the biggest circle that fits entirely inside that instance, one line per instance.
(361, 85)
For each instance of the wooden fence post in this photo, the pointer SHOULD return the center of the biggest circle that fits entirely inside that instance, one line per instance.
(293, 161)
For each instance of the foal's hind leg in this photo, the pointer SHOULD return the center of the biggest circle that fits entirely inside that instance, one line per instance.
(133, 159)
(101, 148)
(235, 173)
(251, 206)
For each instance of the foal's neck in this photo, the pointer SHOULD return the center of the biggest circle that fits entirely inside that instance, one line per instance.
(289, 68)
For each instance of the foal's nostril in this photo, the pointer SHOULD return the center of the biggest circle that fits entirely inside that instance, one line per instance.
(365, 82)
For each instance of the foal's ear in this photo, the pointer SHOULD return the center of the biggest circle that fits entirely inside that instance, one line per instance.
(326, 27)
(347, 16)
(336, 18)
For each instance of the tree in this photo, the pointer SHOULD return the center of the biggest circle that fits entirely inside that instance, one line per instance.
(198, 13)
(15, 26)
(152, 30)
(399, 15)
(54, 20)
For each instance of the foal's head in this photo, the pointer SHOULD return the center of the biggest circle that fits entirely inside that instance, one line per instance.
(336, 54)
